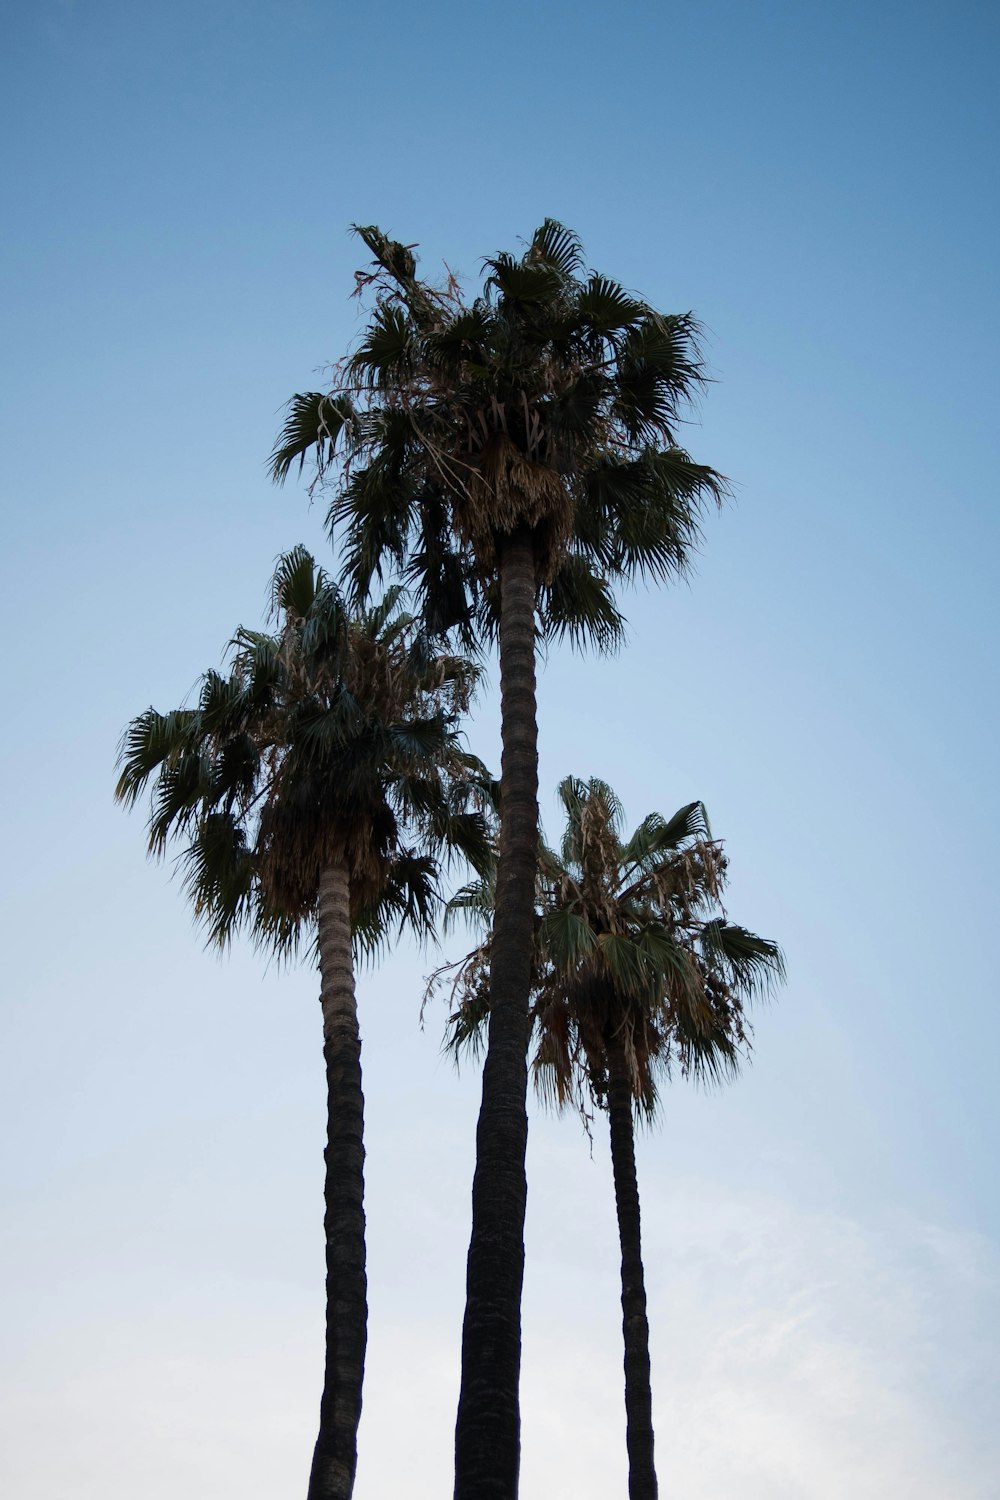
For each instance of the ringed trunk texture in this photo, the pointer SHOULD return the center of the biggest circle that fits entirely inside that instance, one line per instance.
(336, 1453)
(635, 1326)
(488, 1429)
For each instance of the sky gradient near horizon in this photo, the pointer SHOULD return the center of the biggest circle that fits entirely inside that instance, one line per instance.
(823, 1238)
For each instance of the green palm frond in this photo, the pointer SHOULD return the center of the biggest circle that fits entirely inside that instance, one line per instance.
(655, 529)
(523, 284)
(577, 605)
(388, 620)
(460, 340)
(386, 352)
(295, 583)
(567, 938)
(621, 962)
(184, 785)
(315, 421)
(667, 345)
(472, 903)
(594, 817)
(466, 1035)
(606, 308)
(150, 740)
(552, 244)
(657, 836)
(753, 964)
(221, 704)
(469, 836)
(219, 876)
(419, 739)
(236, 771)
(407, 900)
(709, 1059)
(379, 513)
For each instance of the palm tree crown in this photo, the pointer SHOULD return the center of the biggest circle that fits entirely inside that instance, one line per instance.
(632, 949)
(550, 402)
(332, 737)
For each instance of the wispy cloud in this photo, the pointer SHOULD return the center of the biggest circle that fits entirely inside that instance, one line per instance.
(807, 1356)
(797, 1356)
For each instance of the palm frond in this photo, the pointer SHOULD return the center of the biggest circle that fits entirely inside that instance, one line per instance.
(150, 740)
(184, 784)
(567, 939)
(472, 903)
(553, 245)
(657, 836)
(386, 619)
(654, 529)
(606, 308)
(577, 605)
(523, 284)
(398, 260)
(219, 876)
(385, 354)
(295, 583)
(408, 899)
(315, 420)
(755, 965)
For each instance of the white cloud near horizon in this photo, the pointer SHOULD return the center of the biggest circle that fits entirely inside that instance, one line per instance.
(811, 1357)
(797, 1356)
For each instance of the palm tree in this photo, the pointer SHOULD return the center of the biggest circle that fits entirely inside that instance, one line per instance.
(636, 970)
(293, 785)
(510, 457)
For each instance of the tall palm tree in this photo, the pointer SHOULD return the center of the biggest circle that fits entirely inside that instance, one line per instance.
(293, 785)
(636, 970)
(511, 456)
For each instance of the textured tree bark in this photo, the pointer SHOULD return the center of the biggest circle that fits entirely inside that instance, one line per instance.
(336, 1454)
(488, 1429)
(635, 1326)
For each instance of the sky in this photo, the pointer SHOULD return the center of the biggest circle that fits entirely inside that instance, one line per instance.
(822, 1238)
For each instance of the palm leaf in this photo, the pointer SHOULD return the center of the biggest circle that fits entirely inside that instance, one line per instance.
(567, 939)
(398, 260)
(295, 583)
(386, 352)
(555, 246)
(315, 421)
(577, 605)
(149, 740)
(606, 308)
(755, 964)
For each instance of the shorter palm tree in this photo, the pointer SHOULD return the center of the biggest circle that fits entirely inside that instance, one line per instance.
(637, 971)
(314, 789)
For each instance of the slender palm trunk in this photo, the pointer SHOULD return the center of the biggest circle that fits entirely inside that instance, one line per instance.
(488, 1430)
(336, 1454)
(635, 1327)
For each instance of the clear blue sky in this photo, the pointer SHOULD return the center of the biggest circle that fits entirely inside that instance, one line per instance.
(818, 182)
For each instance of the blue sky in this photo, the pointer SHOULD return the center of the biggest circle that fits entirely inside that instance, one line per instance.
(817, 182)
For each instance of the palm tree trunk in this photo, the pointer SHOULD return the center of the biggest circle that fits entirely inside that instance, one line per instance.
(336, 1454)
(635, 1327)
(488, 1429)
